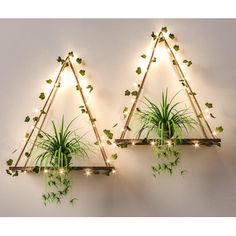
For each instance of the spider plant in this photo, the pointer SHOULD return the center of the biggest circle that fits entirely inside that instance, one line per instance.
(168, 125)
(57, 151)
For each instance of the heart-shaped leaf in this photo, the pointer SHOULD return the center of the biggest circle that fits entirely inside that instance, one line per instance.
(42, 96)
(219, 129)
(127, 92)
(49, 81)
(144, 56)
(27, 119)
(176, 47)
(209, 105)
(79, 60)
(114, 156)
(138, 70)
(82, 72)
(90, 88)
(171, 36)
(154, 36)
(9, 162)
(164, 29)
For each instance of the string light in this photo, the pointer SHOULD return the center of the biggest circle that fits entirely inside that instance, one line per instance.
(103, 137)
(214, 133)
(36, 110)
(169, 142)
(32, 126)
(61, 171)
(133, 100)
(207, 117)
(102, 144)
(25, 139)
(88, 172)
(122, 129)
(113, 171)
(152, 143)
(25, 171)
(45, 170)
(108, 160)
(135, 85)
(114, 145)
(196, 145)
(133, 143)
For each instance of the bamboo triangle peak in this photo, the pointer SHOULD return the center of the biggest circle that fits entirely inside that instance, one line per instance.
(204, 125)
(39, 123)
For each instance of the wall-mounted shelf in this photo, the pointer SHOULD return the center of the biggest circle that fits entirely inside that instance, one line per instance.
(73, 168)
(186, 141)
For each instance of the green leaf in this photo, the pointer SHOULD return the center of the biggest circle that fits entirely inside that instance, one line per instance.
(27, 154)
(40, 135)
(138, 70)
(138, 109)
(78, 87)
(209, 105)
(71, 54)
(15, 174)
(164, 29)
(9, 172)
(42, 96)
(83, 111)
(114, 156)
(171, 36)
(108, 133)
(185, 61)
(114, 125)
(26, 135)
(49, 81)
(35, 118)
(9, 162)
(134, 93)
(212, 116)
(219, 129)
(176, 47)
(154, 36)
(82, 72)
(109, 142)
(127, 92)
(96, 143)
(59, 59)
(125, 111)
(36, 169)
(174, 62)
(27, 119)
(90, 87)
(144, 56)
(128, 128)
(154, 59)
(79, 60)
(189, 63)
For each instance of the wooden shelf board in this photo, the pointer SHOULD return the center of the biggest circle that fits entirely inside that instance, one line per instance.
(73, 168)
(185, 141)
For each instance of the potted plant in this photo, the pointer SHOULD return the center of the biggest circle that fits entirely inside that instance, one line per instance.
(168, 124)
(56, 154)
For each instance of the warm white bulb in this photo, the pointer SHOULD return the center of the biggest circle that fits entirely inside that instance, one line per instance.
(152, 143)
(206, 110)
(114, 145)
(61, 171)
(32, 126)
(25, 138)
(214, 133)
(133, 143)
(108, 160)
(45, 171)
(169, 143)
(133, 100)
(103, 144)
(135, 85)
(88, 172)
(103, 137)
(36, 110)
(196, 145)
(125, 113)
(25, 171)
(122, 129)
(207, 117)
(113, 171)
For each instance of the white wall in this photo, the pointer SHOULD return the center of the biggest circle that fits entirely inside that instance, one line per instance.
(111, 49)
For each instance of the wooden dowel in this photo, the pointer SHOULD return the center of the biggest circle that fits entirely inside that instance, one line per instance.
(91, 118)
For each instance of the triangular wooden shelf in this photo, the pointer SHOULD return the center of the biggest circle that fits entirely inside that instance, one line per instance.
(209, 138)
(42, 117)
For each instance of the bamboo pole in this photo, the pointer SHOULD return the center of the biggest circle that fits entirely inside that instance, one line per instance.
(140, 89)
(91, 118)
(41, 113)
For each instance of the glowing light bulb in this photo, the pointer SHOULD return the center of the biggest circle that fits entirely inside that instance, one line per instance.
(133, 100)
(102, 144)
(94, 125)
(133, 143)
(25, 139)
(196, 145)
(88, 172)
(113, 171)
(169, 142)
(214, 133)
(122, 129)
(114, 145)
(25, 171)
(125, 113)
(45, 170)
(152, 143)
(207, 117)
(61, 171)
(32, 126)
(206, 110)
(108, 160)
(103, 137)
(36, 110)
(135, 85)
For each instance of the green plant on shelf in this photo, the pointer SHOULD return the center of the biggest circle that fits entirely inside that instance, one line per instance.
(168, 124)
(57, 152)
